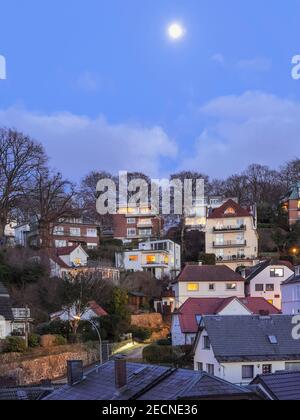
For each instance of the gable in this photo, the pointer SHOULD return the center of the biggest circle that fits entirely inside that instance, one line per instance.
(235, 307)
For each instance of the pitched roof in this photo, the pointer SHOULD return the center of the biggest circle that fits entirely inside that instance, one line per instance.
(99, 311)
(149, 382)
(292, 280)
(208, 273)
(282, 386)
(246, 338)
(293, 193)
(264, 264)
(58, 260)
(220, 212)
(194, 307)
(67, 250)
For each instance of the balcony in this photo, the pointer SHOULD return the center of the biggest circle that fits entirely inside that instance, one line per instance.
(230, 244)
(237, 258)
(145, 224)
(225, 229)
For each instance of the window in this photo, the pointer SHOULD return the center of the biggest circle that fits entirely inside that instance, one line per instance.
(133, 258)
(212, 287)
(151, 259)
(248, 372)
(230, 210)
(75, 231)
(145, 232)
(198, 319)
(131, 232)
(200, 367)
(60, 244)
(259, 287)
(292, 367)
(273, 339)
(267, 369)
(206, 343)
(219, 239)
(270, 288)
(231, 286)
(91, 233)
(77, 261)
(59, 230)
(131, 221)
(277, 272)
(193, 287)
(271, 302)
(210, 369)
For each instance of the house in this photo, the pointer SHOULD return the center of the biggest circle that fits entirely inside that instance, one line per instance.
(62, 260)
(137, 223)
(160, 258)
(290, 290)
(6, 314)
(238, 348)
(266, 278)
(207, 281)
(291, 204)
(186, 320)
(280, 386)
(93, 311)
(231, 234)
(21, 234)
(67, 232)
(197, 217)
(121, 381)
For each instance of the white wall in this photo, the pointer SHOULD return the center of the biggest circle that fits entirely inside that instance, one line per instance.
(178, 337)
(265, 278)
(182, 293)
(78, 253)
(291, 299)
(5, 328)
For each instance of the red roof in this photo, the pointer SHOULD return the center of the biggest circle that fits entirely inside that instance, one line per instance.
(220, 212)
(209, 273)
(67, 250)
(213, 306)
(99, 311)
(57, 260)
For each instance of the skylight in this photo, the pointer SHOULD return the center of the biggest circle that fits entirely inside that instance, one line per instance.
(273, 339)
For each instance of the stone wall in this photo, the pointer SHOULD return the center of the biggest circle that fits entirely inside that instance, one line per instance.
(32, 369)
(154, 322)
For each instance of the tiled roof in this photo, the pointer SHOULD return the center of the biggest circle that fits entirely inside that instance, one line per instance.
(57, 260)
(220, 212)
(292, 280)
(66, 250)
(282, 386)
(246, 338)
(152, 383)
(209, 273)
(99, 311)
(213, 306)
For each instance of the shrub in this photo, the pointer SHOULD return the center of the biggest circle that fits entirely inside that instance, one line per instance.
(141, 334)
(14, 345)
(164, 342)
(166, 355)
(60, 340)
(54, 328)
(33, 340)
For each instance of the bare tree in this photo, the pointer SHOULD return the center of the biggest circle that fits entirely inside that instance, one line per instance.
(20, 158)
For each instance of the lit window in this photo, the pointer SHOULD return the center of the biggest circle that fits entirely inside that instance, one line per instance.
(193, 287)
(231, 286)
(151, 259)
(133, 258)
(77, 261)
(271, 302)
(230, 210)
(277, 272)
(166, 260)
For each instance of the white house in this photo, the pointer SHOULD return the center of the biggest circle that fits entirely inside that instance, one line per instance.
(6, 314)
(207, 281)
(161, 258)
(238, 348)
(266, 278)
(291, 294)
(21, 234)
(186, 321)
(62, 260)
(93, 311)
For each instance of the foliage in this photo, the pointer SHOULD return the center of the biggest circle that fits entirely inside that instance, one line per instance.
(178, 356)
(141, 334)
(60, 340)
(164, 342)
(207, 259)
(33, 340)
(61, 328)
(14, 345)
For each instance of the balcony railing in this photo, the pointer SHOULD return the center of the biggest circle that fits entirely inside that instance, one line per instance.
(229, 244)
(238, 257)
(241, 228)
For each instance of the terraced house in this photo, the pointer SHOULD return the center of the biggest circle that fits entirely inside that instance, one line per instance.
(231, 234)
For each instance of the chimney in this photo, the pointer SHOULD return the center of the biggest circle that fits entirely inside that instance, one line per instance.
(120, 373)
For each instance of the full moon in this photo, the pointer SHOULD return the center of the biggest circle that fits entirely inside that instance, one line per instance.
(175, 31)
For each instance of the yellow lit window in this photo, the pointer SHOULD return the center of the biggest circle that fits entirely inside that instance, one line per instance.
(193, 287)
(151, 259)
(271, 302)
(166, 260)
(77, 261)
(230, 210)
(133, 258)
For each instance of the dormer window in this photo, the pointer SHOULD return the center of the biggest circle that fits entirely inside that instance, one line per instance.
(230, 211)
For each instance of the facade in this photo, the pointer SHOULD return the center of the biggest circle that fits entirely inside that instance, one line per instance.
(291, 294)
(266, 278)
(196, 220)
(68, 232)
(207, 281)
(239, 348)
(291, 204)
(160, 258)
(137, 223)
(186, 321)
(231, 234)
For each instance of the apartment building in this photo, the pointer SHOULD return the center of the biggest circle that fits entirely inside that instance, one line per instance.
(266, 278)
(68, 232)
(291, 204)
(196, 220)
(231, 234)
(137, 223)
(160, 258)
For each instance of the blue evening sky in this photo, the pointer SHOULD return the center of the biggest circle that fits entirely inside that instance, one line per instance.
(99, 83)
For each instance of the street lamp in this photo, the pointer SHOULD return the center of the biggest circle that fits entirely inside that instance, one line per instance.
(94, 325)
